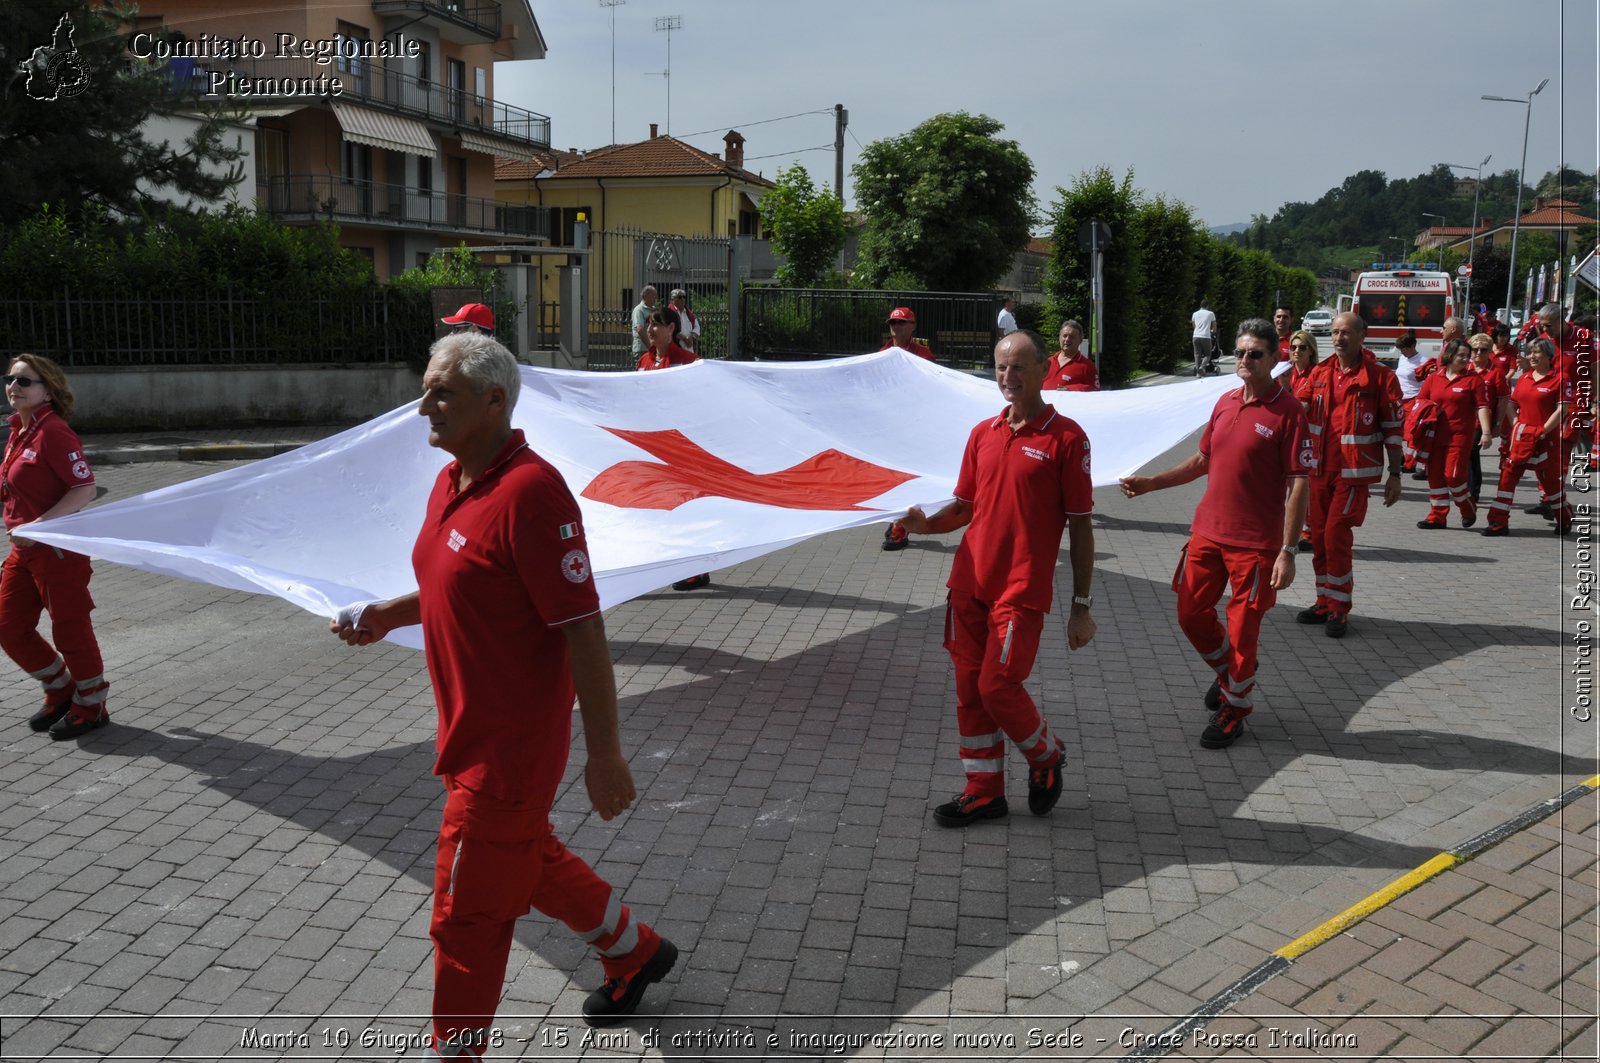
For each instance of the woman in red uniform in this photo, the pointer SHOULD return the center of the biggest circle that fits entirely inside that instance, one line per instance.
(1541, 397)
(1302, 359)
(1463, 400)
(45, 475)
(661, 332)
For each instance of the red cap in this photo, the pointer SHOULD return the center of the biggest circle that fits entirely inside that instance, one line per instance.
(472, 314)
(902, 313)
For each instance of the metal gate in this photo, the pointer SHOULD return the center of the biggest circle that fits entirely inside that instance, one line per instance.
(623, 262)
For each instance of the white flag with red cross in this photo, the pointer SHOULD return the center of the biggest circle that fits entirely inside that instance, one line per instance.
(677, 472)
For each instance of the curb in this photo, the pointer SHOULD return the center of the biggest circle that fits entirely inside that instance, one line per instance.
(1282, 958)
(131, 455)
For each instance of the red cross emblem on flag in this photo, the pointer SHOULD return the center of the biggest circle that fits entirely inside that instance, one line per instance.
(830, 480)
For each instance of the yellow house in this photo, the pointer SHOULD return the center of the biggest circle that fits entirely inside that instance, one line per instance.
(660, 211)
(659, 185)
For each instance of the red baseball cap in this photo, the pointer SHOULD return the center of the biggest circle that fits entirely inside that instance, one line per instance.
(902, 313)
(472, 314)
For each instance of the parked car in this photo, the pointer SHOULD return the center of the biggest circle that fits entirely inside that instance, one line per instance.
(1318, 322)
(1511, 317)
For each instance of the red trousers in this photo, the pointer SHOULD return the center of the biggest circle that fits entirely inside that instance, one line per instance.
(1204, 571)
(1547, 467)
(36, 578)
(1338, 508)
(496, 861)
(1447, 479)
(993, 646)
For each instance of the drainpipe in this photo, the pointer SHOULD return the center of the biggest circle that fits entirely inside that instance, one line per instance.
(726, 181)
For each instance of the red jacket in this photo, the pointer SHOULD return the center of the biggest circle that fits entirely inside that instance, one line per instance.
(1366, 420)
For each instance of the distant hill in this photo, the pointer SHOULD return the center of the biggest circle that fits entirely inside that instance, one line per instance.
(1229, 230)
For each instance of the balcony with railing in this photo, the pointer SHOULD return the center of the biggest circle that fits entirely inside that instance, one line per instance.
(323, 197)
(452, 17)
(300, 81)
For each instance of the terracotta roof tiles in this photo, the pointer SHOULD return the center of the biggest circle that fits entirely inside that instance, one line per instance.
(661, 156)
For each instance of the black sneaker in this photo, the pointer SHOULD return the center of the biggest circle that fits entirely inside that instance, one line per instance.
(895, 538)
(1541, 510)
(619, 997)
(1431, 525)
(50, 713)
(693, 583)
(967, 808)
(1493, 531)
(1224, 729)
(79, 721)
(1337, 625)
(1044, 783)
(1470, 519)
(1305, 544)
(1214, 696)
(1313, 615)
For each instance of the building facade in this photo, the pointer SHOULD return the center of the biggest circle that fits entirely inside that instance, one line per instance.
(378, 116)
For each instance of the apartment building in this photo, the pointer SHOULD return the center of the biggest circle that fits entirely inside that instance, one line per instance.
(379, 116)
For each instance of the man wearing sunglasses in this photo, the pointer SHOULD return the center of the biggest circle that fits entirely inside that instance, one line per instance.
(1255, 453)
(1355, 418)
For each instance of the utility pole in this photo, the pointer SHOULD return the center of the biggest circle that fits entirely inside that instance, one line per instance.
(666, 24)
(613, 5)
(841, 121)
(1472, 241)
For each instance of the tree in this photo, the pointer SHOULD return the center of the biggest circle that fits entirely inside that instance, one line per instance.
(73, 108)
(807, 227)
(949, 202)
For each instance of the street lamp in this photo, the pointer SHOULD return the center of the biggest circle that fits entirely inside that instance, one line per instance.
(1516, 222)
(1472, 241)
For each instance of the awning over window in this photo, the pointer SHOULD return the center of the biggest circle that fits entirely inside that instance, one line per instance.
(379, 129)
(484, 144)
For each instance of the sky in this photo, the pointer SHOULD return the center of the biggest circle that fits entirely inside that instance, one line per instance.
(1233, 107)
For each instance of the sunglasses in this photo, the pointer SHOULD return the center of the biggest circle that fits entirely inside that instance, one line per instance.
(1298, 347)
(20, 381)
(1253, 356)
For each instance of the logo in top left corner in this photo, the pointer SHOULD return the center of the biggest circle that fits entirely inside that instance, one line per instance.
(56, 71)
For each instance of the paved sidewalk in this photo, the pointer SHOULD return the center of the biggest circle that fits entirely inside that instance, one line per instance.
(244, 858)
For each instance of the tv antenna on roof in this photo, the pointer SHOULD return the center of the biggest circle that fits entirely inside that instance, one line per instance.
(613, 5)
(666, 24)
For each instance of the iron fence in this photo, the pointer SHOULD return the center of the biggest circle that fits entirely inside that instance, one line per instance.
(794, 323)
(381, 326)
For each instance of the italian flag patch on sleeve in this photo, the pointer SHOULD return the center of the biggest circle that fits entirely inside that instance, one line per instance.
(569, 531)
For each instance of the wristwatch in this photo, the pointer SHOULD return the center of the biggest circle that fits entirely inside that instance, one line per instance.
(1085, 600)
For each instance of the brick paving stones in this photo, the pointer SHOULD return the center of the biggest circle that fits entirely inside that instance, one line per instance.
(244, 857)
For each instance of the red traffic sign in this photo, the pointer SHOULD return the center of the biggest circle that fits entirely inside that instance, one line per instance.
(1465, 269)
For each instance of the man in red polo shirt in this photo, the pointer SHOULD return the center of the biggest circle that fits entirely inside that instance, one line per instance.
(902, 323)
(1070, 368)
(512, 626)
(1254, 449)
(1283, 328)
(1024, 479)
(1354, 418)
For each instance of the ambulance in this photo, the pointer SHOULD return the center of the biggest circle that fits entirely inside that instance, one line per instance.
(1395, 296)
